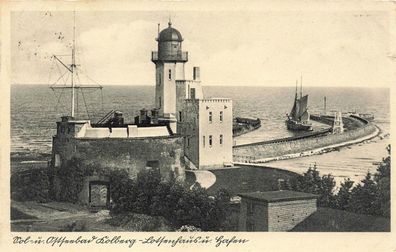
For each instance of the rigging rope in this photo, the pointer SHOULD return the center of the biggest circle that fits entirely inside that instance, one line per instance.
(60, 72)
(89, 117)
(61, 96)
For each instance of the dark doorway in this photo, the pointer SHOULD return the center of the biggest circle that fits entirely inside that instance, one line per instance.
(99, 194)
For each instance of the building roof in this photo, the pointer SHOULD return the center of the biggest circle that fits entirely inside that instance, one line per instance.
(170, 34)
(276, 196)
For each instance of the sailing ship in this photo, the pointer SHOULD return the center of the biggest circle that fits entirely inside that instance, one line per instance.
(298, 119)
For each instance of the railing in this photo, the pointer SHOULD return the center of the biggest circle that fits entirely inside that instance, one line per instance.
(183, 56)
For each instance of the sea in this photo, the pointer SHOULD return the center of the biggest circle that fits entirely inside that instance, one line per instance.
(36, 108)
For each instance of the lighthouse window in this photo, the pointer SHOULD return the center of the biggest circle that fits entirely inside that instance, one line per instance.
(221, 139)
(170, 74)
(159, 79)
(210, 141)
(221, 116)
(203, 141)
(159, 101)
(180, 116)
(210, 117)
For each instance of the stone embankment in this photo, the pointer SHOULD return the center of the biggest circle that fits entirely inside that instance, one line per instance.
(356, 130)
(243, 125)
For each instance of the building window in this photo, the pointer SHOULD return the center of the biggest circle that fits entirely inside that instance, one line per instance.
(188, 142)
(159, 79)
(192, 93)
(221, 139)
(152, 164)
(221, 116)
(210, 141)
(170, 74)
(203, 141)
(210, 116)
(180, 116)
(159, 102)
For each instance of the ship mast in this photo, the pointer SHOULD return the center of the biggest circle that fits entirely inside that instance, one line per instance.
(72, 68)
(73, 65)
(301, 87)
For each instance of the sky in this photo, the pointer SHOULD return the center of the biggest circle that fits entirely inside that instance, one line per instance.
(254, 48)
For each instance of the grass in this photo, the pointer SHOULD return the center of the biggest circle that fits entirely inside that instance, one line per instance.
(248, 179)
(18, 215)
(332, 220)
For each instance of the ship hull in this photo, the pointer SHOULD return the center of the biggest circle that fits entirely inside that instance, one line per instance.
(298, 126)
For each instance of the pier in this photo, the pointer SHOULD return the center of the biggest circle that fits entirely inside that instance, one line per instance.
(356, 130)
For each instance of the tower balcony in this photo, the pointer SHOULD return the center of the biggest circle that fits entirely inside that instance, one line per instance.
(177, 57)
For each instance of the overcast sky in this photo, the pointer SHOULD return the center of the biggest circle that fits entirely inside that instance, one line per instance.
(232, 48)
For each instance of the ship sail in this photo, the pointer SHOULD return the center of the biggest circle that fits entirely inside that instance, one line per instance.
(304, 117)
(294, 109)
(298, 119)
(303, 105)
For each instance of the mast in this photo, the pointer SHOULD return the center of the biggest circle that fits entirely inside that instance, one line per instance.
(73, 64)
(72, 68)
(301, 87)
(294, 112)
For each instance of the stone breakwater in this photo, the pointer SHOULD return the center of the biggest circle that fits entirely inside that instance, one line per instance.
(310, 144)
(242, 125)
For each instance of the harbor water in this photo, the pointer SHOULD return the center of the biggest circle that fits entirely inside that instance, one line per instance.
(35, 109)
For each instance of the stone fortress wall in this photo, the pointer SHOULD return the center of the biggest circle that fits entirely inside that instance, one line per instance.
(133, 155)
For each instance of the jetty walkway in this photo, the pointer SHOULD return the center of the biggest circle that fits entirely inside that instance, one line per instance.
(356, 130)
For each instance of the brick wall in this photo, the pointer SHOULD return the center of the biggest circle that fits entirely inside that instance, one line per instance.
(273, 216)
(257, 217)
(283, 216)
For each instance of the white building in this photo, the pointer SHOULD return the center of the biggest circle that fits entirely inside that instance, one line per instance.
(206, 124)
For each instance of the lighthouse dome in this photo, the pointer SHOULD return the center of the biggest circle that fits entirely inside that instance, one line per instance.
(170, 34)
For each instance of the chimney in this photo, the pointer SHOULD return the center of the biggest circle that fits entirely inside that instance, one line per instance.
(196, 74)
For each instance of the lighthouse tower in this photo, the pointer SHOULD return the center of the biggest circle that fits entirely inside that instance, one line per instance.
(204, 123)
(169, 63)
